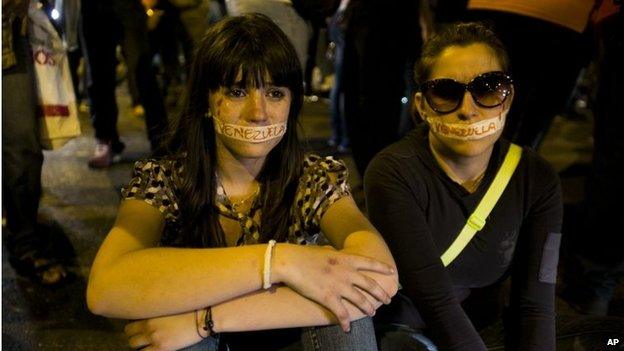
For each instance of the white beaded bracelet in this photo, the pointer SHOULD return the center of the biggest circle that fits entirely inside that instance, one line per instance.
(266, 271)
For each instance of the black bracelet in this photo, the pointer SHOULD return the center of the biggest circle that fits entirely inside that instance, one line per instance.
(208, 322)
(197, 326)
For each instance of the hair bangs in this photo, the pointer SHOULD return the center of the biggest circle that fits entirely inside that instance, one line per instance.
(246, 61)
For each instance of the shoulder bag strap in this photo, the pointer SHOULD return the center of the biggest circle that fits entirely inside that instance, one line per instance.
(476, 221)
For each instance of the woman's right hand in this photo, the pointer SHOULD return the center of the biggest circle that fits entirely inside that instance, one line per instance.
(328, 277)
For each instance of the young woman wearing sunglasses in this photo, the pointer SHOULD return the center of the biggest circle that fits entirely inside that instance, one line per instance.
(193, 252)
(421, 191)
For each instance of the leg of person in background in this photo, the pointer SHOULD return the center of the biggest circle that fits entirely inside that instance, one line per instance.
(180, 35)
(544, 82)
(70, 24)
(217, 11)
(74, 62)
(137, 108)
(310, 60)
(407, 121)
(99, 41)
(339, 136)
(21, 171)
(185, 40)
(135, 43)
(196, 18)
(164, 40)
(597, 248)
(182, 41)
(377, 38)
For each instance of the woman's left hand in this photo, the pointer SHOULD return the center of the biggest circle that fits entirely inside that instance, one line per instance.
(163, 333)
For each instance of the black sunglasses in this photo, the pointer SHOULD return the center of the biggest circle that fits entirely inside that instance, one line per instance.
(488, 90)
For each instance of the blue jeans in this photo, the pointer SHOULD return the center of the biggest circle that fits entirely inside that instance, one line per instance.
(328, 338)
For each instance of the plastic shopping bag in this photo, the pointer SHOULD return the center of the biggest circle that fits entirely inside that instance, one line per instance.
(57, 110)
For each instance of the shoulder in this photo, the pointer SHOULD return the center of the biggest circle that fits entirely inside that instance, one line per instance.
(167, 166)
(319, 169)
(164, 171)
(540, 186)
(324, 180)
(400, 160)
(314, 163)
(155, 181)
(537, 169)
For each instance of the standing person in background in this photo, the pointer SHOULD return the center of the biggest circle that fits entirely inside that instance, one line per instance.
(105, 24)
(596, 262)
(28, 248)
(421, 191)
(213, 237)
(169, 39)
(547, 49)
(379, 37)
(339, 137)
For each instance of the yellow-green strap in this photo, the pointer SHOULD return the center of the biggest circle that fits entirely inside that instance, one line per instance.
(476, 221)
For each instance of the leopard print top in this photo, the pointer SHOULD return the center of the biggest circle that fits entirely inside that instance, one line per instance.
(323, 181)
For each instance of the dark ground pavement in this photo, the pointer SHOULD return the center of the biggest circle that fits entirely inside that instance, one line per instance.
(81, 203)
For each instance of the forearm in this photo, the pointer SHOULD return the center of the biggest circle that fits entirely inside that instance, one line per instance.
(280, 307)
(530, 321)
(537, 332)
(370, 244)
(163, 281)
(447, 323)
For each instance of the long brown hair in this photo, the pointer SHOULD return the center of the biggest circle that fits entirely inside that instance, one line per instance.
(252, 44)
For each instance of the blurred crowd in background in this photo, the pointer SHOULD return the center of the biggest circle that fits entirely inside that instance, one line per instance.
(359, 55)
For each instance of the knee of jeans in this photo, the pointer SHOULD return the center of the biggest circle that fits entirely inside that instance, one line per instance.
(208, 344)
(310, 339)
(361, 337)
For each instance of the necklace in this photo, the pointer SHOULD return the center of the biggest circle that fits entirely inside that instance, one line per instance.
(239, 203)
(472, 185)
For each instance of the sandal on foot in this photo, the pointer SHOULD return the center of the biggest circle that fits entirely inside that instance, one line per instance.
(40, 269)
